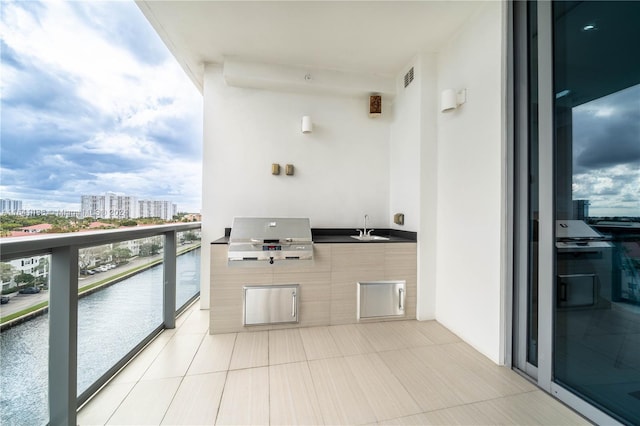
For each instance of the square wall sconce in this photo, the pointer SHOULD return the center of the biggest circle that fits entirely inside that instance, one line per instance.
(451, 99)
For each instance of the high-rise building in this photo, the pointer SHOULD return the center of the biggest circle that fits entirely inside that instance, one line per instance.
(114, 206)
(122, 206)
(92, 206)
(581, 209)
(157, 208)
(109, 206)
(10, 206)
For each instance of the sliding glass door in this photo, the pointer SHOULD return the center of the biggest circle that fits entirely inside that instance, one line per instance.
(596, 333)
(578, 238)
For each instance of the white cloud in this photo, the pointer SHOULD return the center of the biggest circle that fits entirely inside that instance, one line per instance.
(613, 191)
(59, 39)
(120, 144)
(606, 153)
(132, 108)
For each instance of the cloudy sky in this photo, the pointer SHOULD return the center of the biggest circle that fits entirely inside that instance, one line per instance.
(92, 101)
(606, 153)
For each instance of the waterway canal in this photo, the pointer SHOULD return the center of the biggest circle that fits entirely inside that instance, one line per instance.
(110, 323)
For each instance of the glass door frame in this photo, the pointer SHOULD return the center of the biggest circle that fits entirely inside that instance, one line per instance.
(520, 103)
(542, 375)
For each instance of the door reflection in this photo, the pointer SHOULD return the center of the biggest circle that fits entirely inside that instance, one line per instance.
(597, 206)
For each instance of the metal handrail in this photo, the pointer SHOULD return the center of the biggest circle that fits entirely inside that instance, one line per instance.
(13, 247)
(63, 301)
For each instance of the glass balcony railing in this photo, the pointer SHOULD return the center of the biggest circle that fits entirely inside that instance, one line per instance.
(102, 297)
(188, 268)
(24, 367)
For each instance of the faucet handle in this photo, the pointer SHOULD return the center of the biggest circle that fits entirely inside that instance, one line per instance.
(360, 231)
(369, 232)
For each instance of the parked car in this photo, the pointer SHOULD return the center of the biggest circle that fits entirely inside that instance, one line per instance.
(29, 290)
(4, 299)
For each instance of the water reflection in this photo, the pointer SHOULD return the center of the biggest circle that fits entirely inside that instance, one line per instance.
(110, 323)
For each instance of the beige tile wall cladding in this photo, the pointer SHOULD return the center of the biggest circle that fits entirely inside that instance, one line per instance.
(327, 288)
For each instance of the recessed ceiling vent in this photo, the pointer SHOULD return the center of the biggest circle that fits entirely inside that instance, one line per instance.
(408, 77)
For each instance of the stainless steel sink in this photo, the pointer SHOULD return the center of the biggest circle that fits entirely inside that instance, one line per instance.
(369, 237)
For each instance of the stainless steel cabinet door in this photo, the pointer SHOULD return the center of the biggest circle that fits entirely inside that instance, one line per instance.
(270, 304)
(381, 299)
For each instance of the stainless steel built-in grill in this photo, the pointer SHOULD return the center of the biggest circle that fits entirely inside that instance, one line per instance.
(583, 267)
(256, 240)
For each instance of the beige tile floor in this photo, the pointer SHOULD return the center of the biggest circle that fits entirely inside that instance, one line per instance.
(395, 373)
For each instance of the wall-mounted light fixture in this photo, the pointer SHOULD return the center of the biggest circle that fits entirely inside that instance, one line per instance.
(450, 99)
(307, 125)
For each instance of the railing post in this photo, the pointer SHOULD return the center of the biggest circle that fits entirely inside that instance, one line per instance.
(169, 299)
(63, 336)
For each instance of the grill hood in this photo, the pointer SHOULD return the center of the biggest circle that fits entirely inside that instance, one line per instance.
(258, 240)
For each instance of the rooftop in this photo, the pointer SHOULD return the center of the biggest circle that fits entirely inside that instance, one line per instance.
(37, 228)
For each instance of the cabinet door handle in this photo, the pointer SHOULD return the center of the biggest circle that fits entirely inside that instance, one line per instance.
(401, 299)
(563, 291)
(293, 305)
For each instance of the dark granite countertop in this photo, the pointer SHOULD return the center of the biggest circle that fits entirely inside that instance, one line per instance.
(222, 240)
(343, 235)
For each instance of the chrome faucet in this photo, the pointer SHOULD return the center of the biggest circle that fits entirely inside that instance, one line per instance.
(364, 232)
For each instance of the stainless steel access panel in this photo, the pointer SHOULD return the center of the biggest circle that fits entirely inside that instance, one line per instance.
(270, 304)
(381, 299)
(576, 290)
(584, 273)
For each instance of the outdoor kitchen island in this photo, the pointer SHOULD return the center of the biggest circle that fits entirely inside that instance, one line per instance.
(328, 290)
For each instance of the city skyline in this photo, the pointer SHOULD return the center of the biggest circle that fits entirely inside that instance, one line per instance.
(93, 102)
(121, 206)
(144, 206)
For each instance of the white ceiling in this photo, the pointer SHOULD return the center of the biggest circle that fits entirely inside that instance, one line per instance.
(375, 37)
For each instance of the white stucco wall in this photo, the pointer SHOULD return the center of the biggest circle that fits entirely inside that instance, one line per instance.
(341, 169)
(469, 183)
(413, 169)
(428, 232)
(404, 151)
(444, 171)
